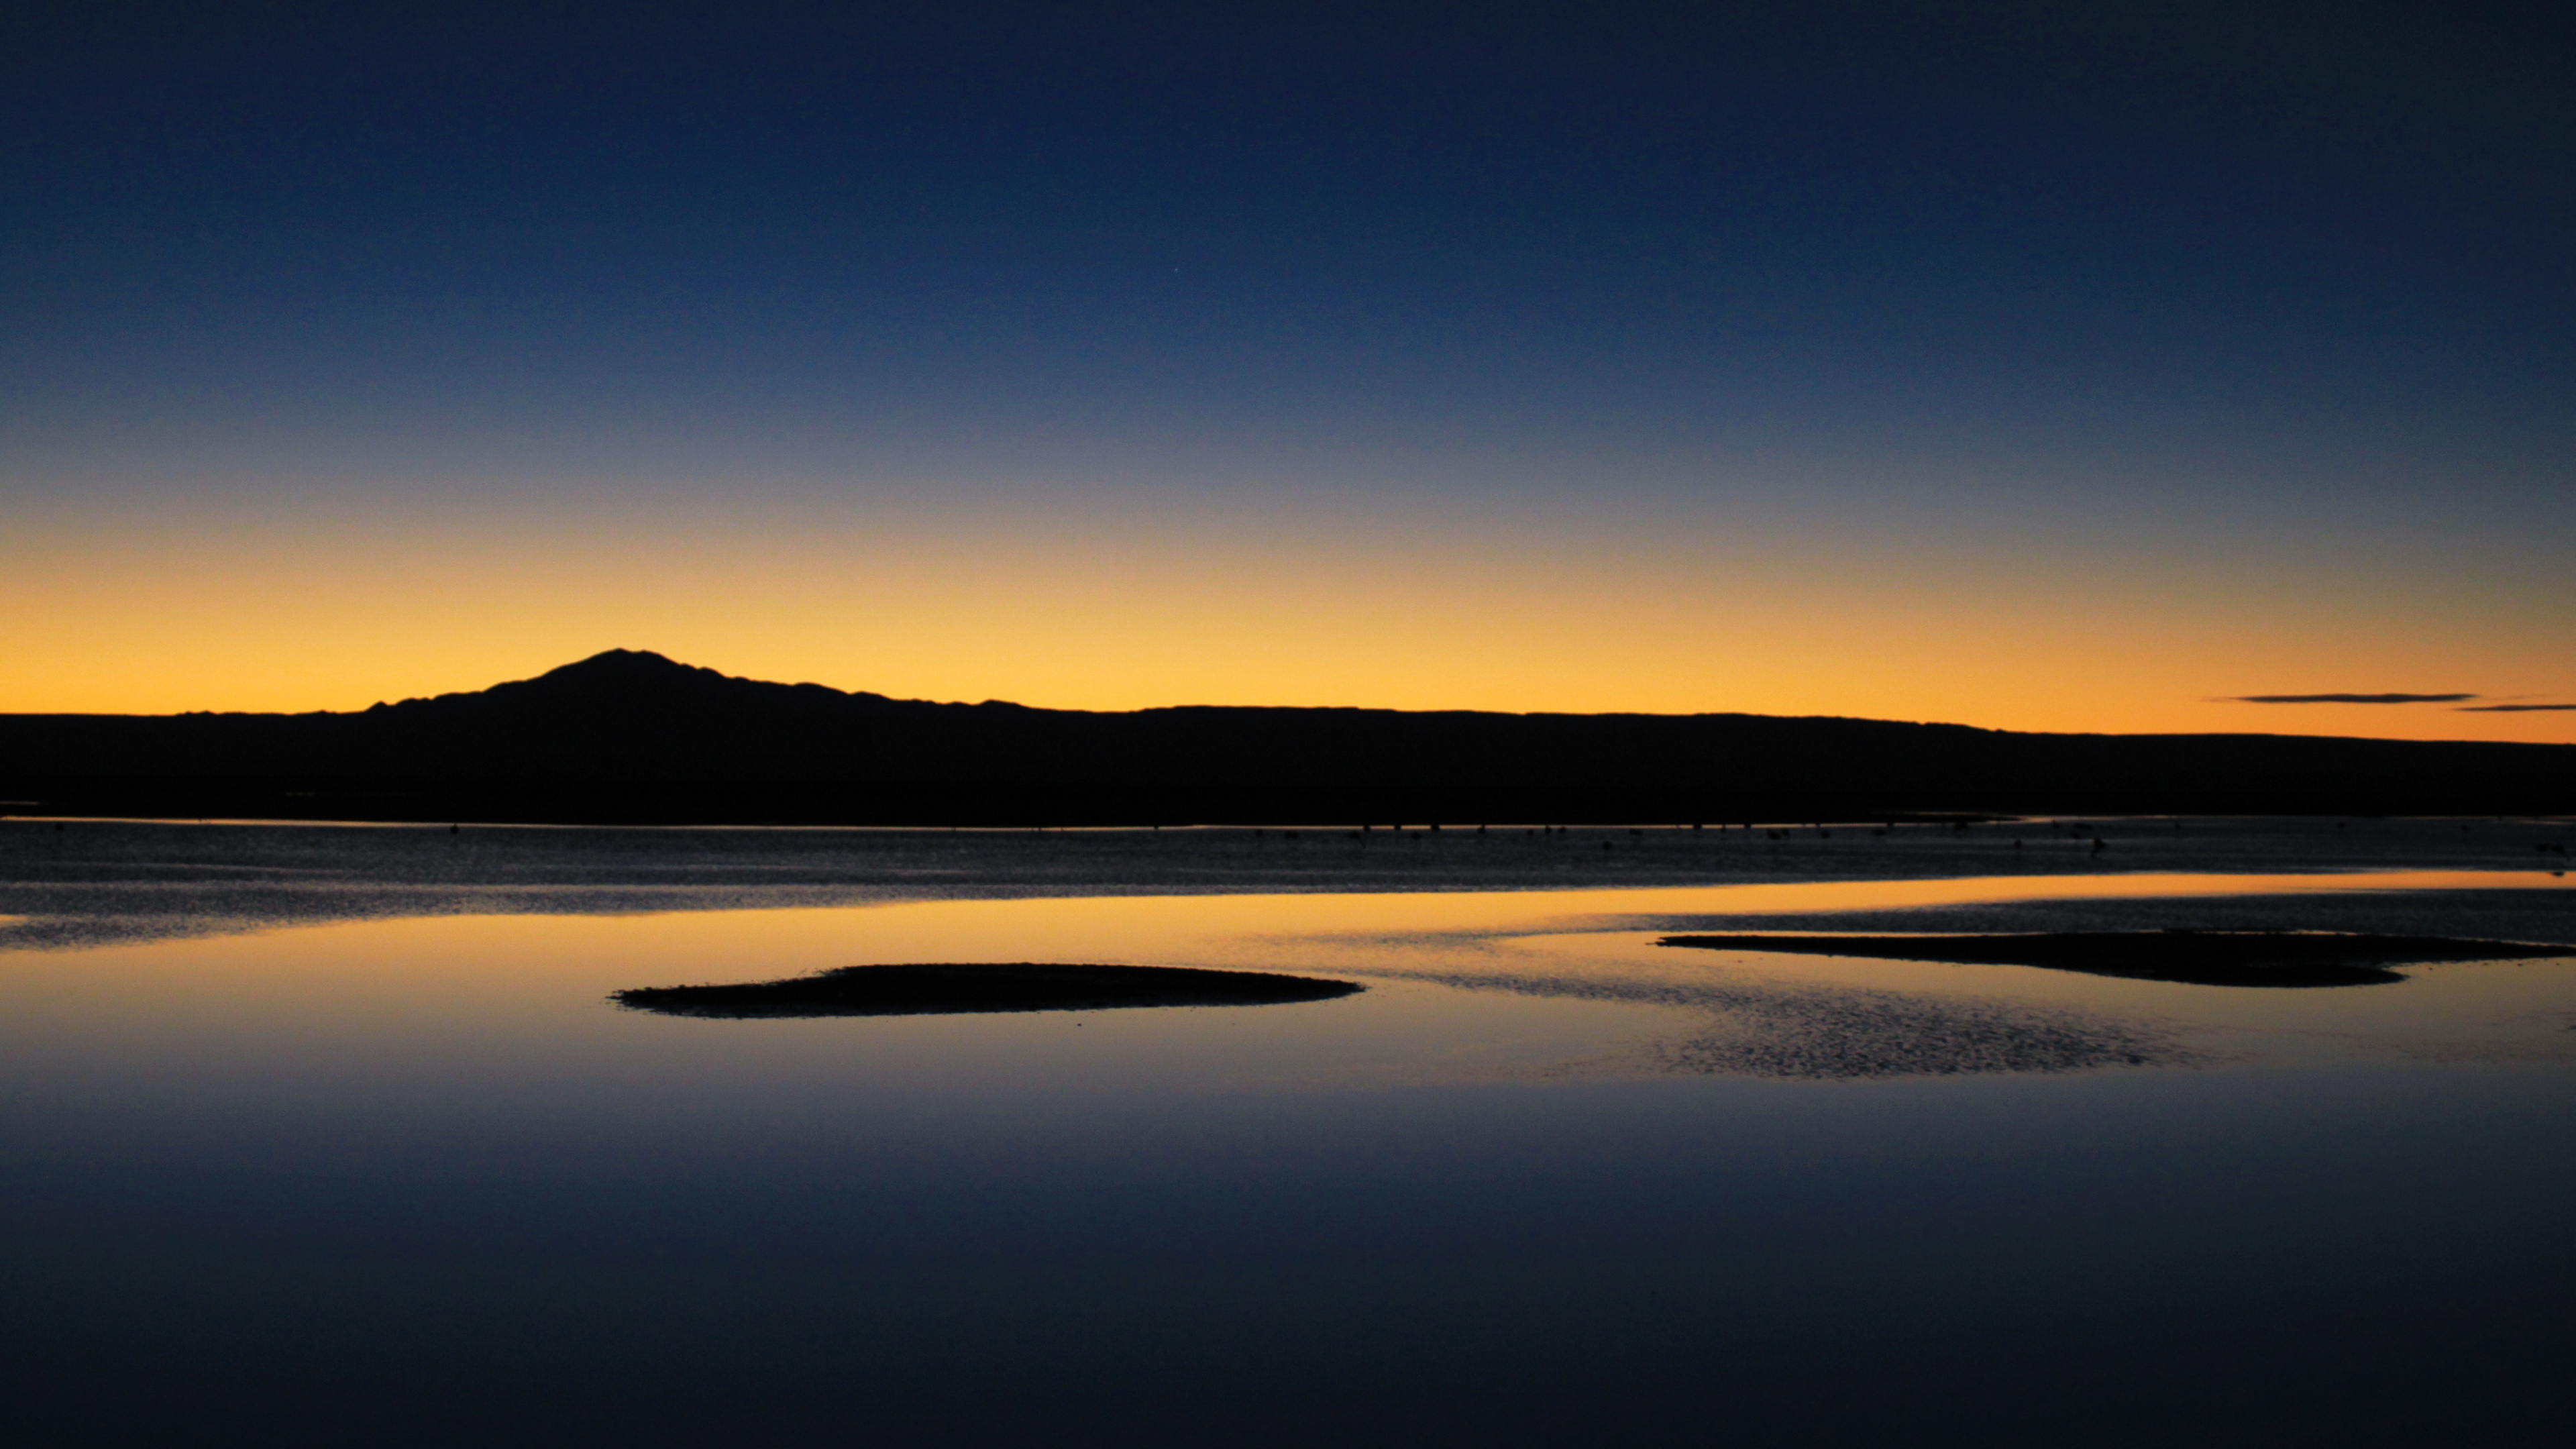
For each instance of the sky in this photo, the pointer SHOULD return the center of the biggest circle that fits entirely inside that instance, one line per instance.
(2104, 367)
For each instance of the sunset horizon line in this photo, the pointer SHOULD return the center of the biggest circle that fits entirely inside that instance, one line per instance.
(681, 668)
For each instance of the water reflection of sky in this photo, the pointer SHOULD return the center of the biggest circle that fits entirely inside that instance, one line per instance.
(416, 1174)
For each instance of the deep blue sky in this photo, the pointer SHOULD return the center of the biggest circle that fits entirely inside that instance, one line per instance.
(2168, 272)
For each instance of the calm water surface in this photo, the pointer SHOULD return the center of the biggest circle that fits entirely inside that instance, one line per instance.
(305, 1139)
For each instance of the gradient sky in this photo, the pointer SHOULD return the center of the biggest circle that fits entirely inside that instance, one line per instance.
(2032, 366)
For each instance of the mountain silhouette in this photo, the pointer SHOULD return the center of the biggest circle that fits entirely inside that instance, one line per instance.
(633, 735)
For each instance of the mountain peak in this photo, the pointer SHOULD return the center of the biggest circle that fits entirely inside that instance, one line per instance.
(617, 680)
(619, 686)
(623, 677)
(624, 664)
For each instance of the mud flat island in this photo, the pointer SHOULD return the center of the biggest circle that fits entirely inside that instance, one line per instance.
(941, 988)
(2203, 958)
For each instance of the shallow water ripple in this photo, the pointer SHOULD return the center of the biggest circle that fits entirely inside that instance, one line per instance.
(1781, 1030)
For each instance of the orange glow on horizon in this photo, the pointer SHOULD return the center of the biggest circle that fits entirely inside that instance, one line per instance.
(1405, 613)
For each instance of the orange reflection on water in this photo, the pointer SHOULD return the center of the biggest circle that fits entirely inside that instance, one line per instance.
(1858, 895)
(424, 1009)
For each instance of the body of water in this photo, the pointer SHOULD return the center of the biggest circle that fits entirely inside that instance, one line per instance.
(316, 1131)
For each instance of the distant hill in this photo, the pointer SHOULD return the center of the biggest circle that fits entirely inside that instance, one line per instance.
(631, 735)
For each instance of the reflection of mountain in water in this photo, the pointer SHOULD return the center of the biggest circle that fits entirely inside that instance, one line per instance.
(2207, 958)
(629, 735)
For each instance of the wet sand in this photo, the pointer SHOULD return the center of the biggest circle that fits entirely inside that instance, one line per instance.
(949, 988)
(2202, 958)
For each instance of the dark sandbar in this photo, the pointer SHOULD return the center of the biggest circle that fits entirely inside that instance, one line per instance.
(952, 987)
(2204, 958)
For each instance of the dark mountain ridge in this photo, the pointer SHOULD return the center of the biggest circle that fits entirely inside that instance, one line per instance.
(631, 735)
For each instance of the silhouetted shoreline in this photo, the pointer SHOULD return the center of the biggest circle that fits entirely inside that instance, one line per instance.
(634, 738)
(952, 988)
(2203, 958)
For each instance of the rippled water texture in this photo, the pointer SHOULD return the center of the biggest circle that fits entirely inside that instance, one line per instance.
(334, 1134)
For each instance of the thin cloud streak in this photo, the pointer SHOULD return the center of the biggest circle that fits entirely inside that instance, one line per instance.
(2353, 699)
(2513, 708)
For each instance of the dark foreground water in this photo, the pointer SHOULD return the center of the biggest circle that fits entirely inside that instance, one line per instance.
(313, 1135)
